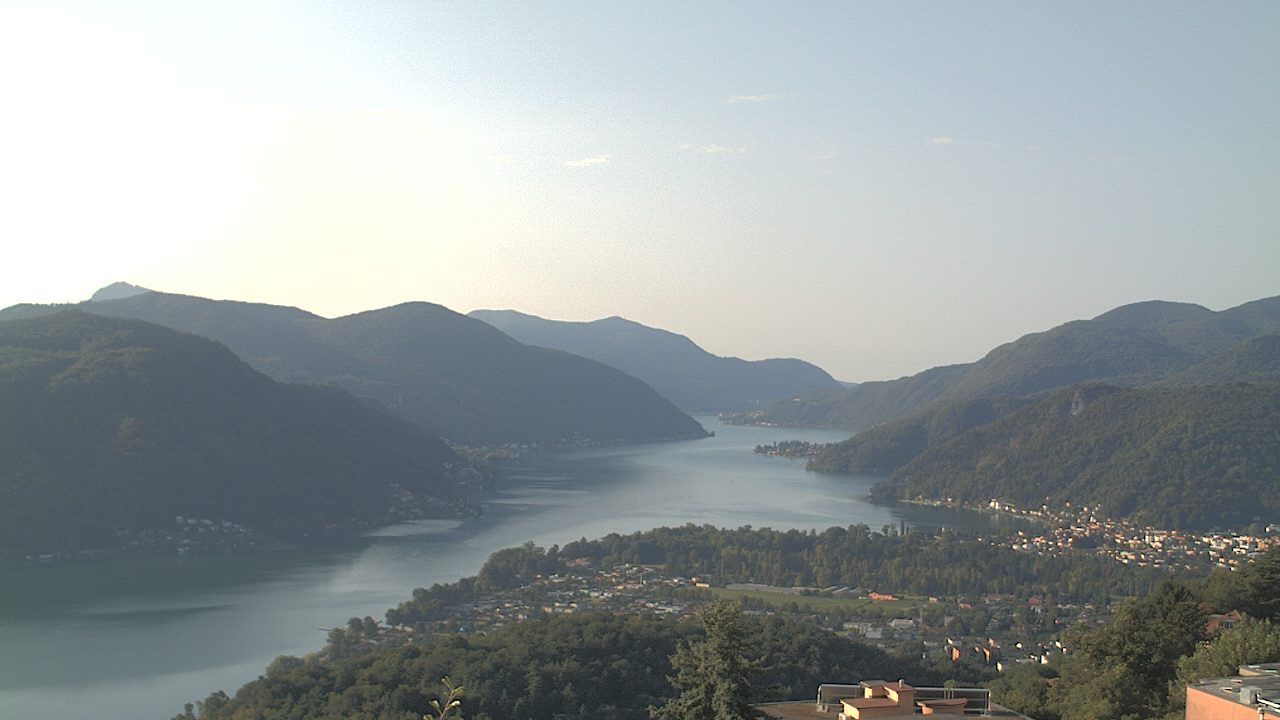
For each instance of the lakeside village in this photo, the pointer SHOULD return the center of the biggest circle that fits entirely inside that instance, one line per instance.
(1086, 528)
(991, 631)
(1144, 546)
(201, 535)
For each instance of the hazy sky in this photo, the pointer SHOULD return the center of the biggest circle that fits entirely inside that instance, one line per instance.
(875, 187)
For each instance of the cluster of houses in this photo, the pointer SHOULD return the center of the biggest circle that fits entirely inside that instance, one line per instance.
(189, 534)
(628, 588)
(1137, 545)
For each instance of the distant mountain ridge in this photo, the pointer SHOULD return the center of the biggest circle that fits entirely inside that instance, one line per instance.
(454, 375)
(110, 425)
(674, 365)
(1132, 346)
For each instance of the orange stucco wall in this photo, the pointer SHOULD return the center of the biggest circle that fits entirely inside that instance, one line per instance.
(1203, 706)
(886, 712)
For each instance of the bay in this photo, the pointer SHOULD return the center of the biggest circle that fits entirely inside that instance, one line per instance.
(135, 638)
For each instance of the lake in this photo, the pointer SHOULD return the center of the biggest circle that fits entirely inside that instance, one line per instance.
(136, 638)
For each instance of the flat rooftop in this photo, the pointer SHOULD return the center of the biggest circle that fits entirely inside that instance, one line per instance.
(808, 710)
(1265, 677)
(795, 710)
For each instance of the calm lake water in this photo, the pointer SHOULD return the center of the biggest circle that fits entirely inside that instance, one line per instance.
(135, 638)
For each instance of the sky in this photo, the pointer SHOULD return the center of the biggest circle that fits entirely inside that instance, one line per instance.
(875, 187)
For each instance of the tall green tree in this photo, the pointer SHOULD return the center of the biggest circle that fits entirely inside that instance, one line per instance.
(1025, 688)
(1264, 586)
(1250, 641)
(714, 677)
(1123, 669)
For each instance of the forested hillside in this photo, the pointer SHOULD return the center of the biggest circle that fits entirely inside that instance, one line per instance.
(884, 448)
(584, 666)
(113, 426)
(453, 375)
(1254, 360)
(1195, 457)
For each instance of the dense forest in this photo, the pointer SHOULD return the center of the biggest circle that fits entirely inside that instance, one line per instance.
(674, 365)
(452, 375)
(1255, 360)
(1196, 458)
(585, 666)
(111, 426)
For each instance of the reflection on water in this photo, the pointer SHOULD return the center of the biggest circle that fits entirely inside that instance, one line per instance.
(415, 528)
(138, 637)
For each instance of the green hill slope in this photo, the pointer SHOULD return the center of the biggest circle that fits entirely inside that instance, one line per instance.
(1254, 360)
(674, 365)
(113, 425)
(887, 447)
(450, 371)
(451, 374)
(1197, 457)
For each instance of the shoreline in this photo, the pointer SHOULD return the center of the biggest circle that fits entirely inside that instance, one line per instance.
(240, 540)
(983, 509)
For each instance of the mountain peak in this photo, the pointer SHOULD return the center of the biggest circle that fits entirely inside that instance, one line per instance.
(1153, 311)
(117, 290)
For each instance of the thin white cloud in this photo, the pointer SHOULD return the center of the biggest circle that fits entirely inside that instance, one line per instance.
(942, 140)
(711, 149)
(736, 99)
(588, 162)
(824, 156)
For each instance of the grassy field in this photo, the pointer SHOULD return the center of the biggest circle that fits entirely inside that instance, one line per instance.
(821, 603)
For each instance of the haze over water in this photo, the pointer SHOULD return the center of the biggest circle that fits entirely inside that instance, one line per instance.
(135, 638)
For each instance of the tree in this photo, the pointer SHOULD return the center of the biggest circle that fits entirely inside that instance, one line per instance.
(1124, 669)
(714, 677)
(1026, 690)
(1250, 641)
(1264, 586)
